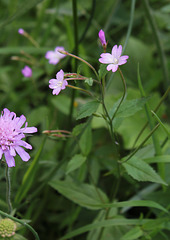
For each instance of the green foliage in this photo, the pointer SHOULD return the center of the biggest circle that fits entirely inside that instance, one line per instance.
(141, 171)
(75, 162)
(75, 185)
(82, 194)
(87, 109)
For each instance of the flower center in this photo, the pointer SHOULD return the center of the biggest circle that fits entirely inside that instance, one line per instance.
(116, 61)
(59, 83)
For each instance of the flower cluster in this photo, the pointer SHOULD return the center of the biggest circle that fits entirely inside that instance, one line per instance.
(11, 135)
(7, 228)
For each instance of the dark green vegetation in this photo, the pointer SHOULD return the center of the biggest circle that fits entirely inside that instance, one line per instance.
(76, 185)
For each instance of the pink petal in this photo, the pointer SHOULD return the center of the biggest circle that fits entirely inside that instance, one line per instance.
(21, 121)
(49, 54)
(56, 91)
(60, 75)
(24, 144)
(12, 151)
(114, 51)
(30, 130)
(9, 159)
(106, 58)
(119, 51)
(112, 67)
(123, 59)
(22, 153)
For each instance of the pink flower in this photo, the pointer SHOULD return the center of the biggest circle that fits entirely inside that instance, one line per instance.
(55, 56)
(21, 31)
(102, 38)
(11, 135)
(114, 59)
(59, 83)
(27, 71)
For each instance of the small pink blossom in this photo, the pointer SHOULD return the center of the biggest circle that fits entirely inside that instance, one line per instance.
(114, 59)
(21, 31)
(11, 135)
(59, 83)
(102, 38)
(27, 72)
(54, 56)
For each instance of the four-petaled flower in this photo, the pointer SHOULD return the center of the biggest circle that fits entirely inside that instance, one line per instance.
(114, 59)
(11, 135)
(59, 83)
(55, 56)
(27, 72)
(102, 38)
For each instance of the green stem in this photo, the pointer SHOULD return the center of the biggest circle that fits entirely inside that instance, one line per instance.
(158, 42)
(142, 143)
(21, 222)
(155, 110)
(8, 189)
(155, 139)
(73, 94)
(124, 92)
(130, 24)
(82, 60)
(81, 89)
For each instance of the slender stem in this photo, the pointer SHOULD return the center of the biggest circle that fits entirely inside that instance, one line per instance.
(155, 138)
(35, 43)
(143, 142)
(75, 23)
(8, 189)
(130, 23)
(81, 89)
(124, 92)
(80, 59)
(158, 42)
(155, 110)
(21, 222)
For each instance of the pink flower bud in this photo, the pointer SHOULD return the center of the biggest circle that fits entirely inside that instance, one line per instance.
(27, 72)
(21, 31)
(102, 38)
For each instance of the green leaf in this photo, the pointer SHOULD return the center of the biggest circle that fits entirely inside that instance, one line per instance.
(62, 103)
(29, 176)
(82, 194)
(89, 81)
(128, 107)
(163, 126)
(133, 234)
(102, 71)
(157, 159)
(75, 163)
(87, 109)
(134, 203)
(141, 171)
(86, 141)
(78, 129)
(106, 223)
